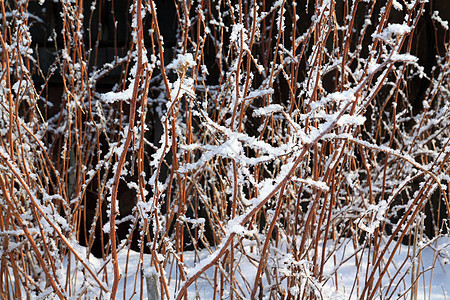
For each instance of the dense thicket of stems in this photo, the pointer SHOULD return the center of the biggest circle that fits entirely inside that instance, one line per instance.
(293, 136)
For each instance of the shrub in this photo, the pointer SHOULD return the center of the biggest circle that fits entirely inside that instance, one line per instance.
(275, 141)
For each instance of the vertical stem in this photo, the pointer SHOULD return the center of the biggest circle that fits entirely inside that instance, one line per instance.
(114, 212)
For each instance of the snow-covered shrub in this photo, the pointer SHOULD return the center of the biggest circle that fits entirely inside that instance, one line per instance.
(285, 144)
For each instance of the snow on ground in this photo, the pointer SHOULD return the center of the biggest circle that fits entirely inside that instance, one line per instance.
(434, 283)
